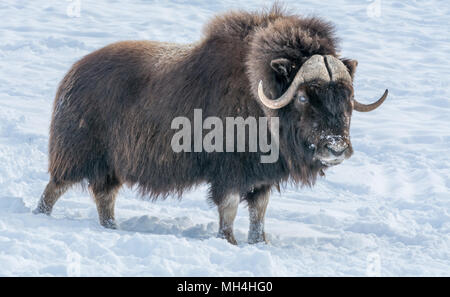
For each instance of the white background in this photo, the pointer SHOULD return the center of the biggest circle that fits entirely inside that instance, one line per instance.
(383, 212)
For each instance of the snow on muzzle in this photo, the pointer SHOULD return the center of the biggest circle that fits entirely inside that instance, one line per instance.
(333, 150)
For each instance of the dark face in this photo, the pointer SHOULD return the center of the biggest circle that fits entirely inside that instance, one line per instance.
(323, 111)
(314, 105)
(316, 122)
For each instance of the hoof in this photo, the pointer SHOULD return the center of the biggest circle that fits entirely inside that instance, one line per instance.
(37, 211)
(265, 241)
(40, 209)
(110, 224)
(261, 238)
(232, 240)
(228, 236)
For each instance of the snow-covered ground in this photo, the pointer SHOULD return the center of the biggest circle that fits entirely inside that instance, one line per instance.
(386, 211)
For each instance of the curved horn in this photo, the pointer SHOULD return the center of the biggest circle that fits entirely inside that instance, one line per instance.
(369, 107)
(281, 102)
(337, 69)
(314, 68)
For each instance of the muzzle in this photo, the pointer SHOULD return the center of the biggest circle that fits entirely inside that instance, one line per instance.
(334, 150)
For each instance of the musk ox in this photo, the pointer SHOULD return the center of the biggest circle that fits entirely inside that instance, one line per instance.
(111, 121)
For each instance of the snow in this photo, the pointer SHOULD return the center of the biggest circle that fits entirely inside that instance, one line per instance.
(386, 211)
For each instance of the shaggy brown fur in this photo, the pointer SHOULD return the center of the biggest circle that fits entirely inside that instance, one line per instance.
(113, 111)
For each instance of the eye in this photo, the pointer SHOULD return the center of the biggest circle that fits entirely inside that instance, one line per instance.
(302, 99)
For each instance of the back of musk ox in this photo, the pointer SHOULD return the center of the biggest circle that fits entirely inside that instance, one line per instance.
(112, 121)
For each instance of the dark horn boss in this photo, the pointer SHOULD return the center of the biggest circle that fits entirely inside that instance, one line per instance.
(112, 115)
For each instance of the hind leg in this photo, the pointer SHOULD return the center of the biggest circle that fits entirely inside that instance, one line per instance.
(105, 192)
(51, 194)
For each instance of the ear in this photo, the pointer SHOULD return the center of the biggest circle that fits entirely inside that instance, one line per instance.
(281, 66)
(351, 66)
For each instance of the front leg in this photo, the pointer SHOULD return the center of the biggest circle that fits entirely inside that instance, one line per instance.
(257, 200)
(227, 213)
